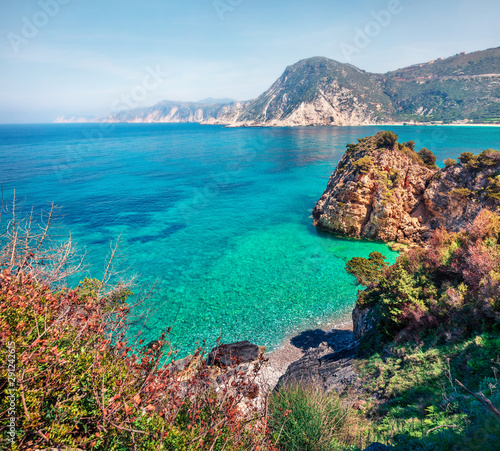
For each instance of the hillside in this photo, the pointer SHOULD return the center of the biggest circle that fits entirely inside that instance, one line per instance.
(321, 91)
(176, 112)
(465, 86)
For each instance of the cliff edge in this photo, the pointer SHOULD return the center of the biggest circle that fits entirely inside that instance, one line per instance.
(384, 190)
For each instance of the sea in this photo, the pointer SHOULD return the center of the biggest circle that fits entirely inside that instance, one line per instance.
(213, 224)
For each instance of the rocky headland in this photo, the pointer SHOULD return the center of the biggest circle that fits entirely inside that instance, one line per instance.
(385, 190)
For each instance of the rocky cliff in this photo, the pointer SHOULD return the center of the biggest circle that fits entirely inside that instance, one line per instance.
(386, 191)
(206, 111)
(316, 91)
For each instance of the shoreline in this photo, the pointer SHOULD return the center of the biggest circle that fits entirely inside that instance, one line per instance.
(288, 352)
(391, 124)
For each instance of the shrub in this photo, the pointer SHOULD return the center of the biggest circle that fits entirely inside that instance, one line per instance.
(452, 285)
(351, 148)
(367, 270)
(493, 190)
(449, 162)
(428, 157)
(410, 145)
(387, 139)
(488, 158)
(84, 386)
(364, 164)
(466, 157)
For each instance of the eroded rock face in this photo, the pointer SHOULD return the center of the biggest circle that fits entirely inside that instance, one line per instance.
(325, 367)
(363, 321)
(389, 194)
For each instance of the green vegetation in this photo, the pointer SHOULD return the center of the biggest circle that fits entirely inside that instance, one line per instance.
(428, 158)
(421, 406)
(306, 418)
(488, 158)
(461, 193)
(493, 190)
(364, 164)
(367, 270)
(449, 162)
(410, 145)
(438, 316)
(387, 140)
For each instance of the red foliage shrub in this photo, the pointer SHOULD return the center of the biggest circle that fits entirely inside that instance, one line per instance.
(80, 384)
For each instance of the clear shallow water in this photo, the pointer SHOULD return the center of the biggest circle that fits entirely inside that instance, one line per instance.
(218, 218)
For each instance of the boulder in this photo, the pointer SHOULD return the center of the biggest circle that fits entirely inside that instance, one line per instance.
(234, 353)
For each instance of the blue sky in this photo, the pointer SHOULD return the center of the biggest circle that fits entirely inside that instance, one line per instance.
(83, 57)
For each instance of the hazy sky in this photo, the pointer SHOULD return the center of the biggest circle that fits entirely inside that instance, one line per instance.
(88, 57)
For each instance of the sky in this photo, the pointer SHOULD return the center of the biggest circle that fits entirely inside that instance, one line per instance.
(91, 57)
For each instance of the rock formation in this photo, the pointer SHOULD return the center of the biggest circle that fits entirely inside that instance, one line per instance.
(387, 192)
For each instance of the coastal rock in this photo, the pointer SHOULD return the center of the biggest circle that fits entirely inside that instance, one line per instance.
(363, 321)
(235, 353)
(389, 194)
(324, 367)
(376, 193)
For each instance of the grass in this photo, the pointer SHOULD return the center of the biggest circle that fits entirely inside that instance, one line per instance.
(306, 418)
(414, 401)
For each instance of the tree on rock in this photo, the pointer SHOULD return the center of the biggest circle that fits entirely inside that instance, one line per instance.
(428, 157)
(387, 140)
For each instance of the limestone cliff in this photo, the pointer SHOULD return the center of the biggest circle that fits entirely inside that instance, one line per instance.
(386, 192)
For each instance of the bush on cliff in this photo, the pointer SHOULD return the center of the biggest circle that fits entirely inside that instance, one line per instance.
(369, 270)
(428, 158)
(387, 140)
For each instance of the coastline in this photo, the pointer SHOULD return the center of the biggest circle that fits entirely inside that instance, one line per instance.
(297, 345)
(379, 124)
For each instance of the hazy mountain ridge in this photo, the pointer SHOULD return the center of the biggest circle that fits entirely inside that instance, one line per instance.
(321, 91)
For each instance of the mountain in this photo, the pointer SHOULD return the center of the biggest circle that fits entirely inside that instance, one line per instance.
(320, 91)
(465, 86)
(171, 111)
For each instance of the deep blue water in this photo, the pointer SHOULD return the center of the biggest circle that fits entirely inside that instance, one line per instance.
(218, 219)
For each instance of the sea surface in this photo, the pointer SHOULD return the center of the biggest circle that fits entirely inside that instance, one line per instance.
(216, 220)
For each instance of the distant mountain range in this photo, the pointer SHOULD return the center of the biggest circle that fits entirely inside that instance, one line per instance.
(321, 91)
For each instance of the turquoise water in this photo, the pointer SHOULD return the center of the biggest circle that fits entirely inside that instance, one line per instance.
(217, 219)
